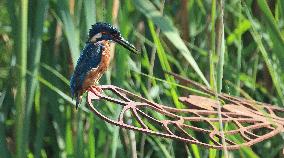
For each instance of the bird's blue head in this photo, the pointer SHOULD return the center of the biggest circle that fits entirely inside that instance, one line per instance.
(104, 31)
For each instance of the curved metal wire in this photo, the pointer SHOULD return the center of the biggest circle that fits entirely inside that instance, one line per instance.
(246, 122)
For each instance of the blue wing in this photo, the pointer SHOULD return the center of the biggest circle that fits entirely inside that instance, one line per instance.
(89, 58)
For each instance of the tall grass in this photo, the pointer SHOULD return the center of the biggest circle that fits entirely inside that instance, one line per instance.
(40, 42)
(21, 57)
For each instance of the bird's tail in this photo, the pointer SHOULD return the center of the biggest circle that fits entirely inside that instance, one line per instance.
(77, 102)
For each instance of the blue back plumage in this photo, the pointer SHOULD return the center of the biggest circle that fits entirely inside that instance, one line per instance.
(90, 58)
(91, 54)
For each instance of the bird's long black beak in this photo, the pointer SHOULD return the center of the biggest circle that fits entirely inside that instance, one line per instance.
(120, 40)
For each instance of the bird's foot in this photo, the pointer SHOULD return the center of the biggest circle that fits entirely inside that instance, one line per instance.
(96, 90)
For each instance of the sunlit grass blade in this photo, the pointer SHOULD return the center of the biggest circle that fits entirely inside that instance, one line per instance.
(35, 50)
(70, 28)
(164, 63)
(220, 49)
(56, 73)
(212, 51)
(212, 54)
(192, 90)
(273, 73)
(68, 133)
(273, 30)
(201, 6)
(33, 65)
(115, 142)
(20, 29)
(90, 19)
(79, 145)
(243, 26)
(57, 90)
(41, 127)
(156, 142)
(90, 13)
(167, 28)
(91, 137)
(166, 67)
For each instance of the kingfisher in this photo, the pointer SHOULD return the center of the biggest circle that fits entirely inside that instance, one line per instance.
(95, 59)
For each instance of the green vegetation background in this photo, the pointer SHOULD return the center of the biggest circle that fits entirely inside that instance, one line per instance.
(40, 40)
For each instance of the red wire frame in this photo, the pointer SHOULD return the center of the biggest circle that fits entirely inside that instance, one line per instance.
(245, 122)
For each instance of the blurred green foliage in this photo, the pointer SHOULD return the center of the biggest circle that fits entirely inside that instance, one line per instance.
(40, 42)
